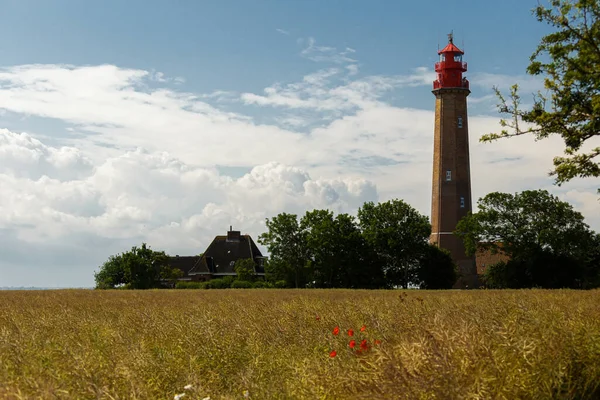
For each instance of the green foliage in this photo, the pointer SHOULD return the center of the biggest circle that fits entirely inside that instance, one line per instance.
(190, 285)
(281, 284)
(241, 285)
(436, 270)
(503, 275)
(387, 246)
(219, 283)
(569, 60)
(140, 268)
(228, 280)
(338, 253)
(112, 274)
(170, 275)
(399, 237)
(548, 242)
(262, 285)
(286, 244)
(245, 269)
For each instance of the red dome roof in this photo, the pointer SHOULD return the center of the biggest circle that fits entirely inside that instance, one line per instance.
(450, 48)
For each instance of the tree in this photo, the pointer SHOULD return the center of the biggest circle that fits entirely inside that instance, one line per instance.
(338, 253)
(170, 275)
(503, 275)
(547, 241)
(140, 268)
(436, 270)
(286, 244)
(245, 269)
(322, 244)
(360, 267)
(112, 273)
(399, 236)
(570, 60)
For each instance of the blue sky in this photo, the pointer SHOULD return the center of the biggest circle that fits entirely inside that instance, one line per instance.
(234, 45)
(166, 122)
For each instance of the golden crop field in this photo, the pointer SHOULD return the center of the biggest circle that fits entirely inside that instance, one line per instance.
(277, 344)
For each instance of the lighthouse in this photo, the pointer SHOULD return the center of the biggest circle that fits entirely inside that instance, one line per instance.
(451, 190)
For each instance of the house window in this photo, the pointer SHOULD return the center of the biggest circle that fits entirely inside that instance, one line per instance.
(462, 202)
(448, 176)
(460, 122)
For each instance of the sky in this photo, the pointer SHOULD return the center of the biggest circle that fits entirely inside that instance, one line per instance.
(166, 122)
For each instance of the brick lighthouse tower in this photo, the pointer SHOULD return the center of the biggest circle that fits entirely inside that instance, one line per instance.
(451, 194)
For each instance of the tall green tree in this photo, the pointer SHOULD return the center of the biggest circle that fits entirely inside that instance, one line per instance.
(547, 241)
(361, 268)
(569, 60)
(338, 253)
(322, 245)
(286, 243)
(139, 268)
(399, 235)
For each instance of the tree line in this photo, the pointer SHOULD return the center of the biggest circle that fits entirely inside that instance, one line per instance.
(547, 244)
(386, 245)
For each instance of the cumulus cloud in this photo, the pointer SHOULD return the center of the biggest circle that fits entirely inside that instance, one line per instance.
(25, 156)
(142, 195)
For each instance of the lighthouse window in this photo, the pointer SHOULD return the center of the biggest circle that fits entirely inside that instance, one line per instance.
(462, 202)
(460, 122)
(442, 57)
(457, 57)
(448, 176)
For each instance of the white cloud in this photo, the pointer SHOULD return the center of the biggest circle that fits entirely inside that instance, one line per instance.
(283, 31)
(139, 163)
(25, 156)
(332, 90)
(141, 195)
(325, 53)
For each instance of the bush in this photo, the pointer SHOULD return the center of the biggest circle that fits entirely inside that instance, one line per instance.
(261, 285)
(190, 285)
(218, 284)
(281, 284)
(228, 280)
(241, 285)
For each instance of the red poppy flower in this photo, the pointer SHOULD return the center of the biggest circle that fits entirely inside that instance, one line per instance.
(362, 328)
(363, 344)
(318, 318)
(350, 332)
(377, 341)
(336, 330)
(333, 353)
(352, 344)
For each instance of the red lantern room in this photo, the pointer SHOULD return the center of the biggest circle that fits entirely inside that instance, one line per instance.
(450, 68)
